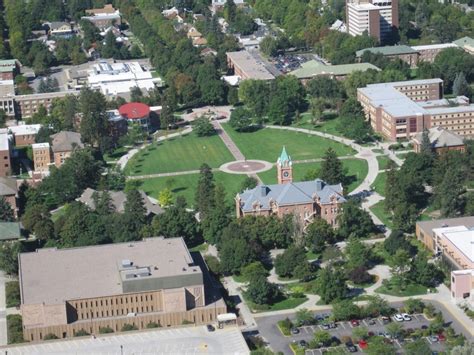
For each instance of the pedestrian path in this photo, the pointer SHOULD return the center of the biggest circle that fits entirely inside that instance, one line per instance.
(3, 310)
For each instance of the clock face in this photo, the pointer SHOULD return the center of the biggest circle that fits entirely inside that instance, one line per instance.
(286, 174)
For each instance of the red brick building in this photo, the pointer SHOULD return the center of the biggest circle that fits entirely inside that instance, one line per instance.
(306, 199)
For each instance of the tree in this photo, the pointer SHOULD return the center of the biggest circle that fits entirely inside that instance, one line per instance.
(332, 171)
(394, 329)
(357, 254)
(322, 337)
(461, 86)
(316, 107)
(318, 234)
(110, 48)
(360, 333)
(218, 218)
(414, 305)
(377, 346)
(205, 192)
(354, 221)
(240, 119)
(345, 310)
(286, 263)
(269, 46)
(230, 11)
(203, 127)
(177, 222)
(426, 143)
(235, 252)
(400, 267)
(165, 197)
(260, 291)
(391, 187)
(6, 211)
(418, 347)
(377, 306)
(448, 194)
(9, 257)
(249, 183)
(304, 317)
(330, 285)
(254, 270)
(94, 123)
(397, 240)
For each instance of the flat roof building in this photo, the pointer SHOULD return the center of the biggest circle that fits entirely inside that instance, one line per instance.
(402, 109)
(315, 68)
(5, 153)
(155, 280)
(377, 17)
(247, 66)
(103, 18)
(114, 79)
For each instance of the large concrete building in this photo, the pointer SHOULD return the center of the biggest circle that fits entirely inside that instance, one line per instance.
(453, 240)
(376, 17)
(103, 18)
(306, 200)
(248, 65)
(400, 110)
(65, 291)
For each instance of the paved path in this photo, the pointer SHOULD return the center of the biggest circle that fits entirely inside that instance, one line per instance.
(176, 173)
(3, 310)
(122, 162)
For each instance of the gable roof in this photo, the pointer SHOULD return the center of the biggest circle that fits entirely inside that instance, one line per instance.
(8, 186)
(65, 140)
(313, 68)
(290, 194)
(118, 201)
(388, 50)
(9, 230)
(440, 137)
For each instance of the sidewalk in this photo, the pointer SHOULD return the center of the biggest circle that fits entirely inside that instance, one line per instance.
(3, 311)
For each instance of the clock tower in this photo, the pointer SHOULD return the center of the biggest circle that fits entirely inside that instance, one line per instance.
(284, 168)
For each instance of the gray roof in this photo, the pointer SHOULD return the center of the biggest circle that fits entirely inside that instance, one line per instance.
(388, 50)
(65, 140)
(53, 276)
(118, 200)
(56, 25)
(428, 226)
(8, 186)
(440, 137)
(9, 230)
(290, 194)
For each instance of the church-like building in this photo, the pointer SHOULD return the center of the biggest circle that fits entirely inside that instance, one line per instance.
(306, 199)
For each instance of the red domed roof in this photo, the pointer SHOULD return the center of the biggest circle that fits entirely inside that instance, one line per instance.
(134, 110)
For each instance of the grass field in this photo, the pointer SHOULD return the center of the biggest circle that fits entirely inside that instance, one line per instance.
(378, 210)
(328, 125)
(185, 185)
(266, 144)
(383, 162)
(357, 170)
(410, 290)
(188, 152)
(379, 183)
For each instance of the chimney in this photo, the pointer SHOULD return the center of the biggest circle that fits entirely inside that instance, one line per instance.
(319, 184)
(263, 190)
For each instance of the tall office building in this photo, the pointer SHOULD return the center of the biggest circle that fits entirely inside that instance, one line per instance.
(377, 17)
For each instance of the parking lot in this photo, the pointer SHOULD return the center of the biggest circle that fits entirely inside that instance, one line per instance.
(270, 332)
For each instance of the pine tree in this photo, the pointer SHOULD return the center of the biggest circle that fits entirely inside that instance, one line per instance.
(425, 147)
(461, 86)
(218, 218)
(391, 186)
(6, 211)
(205, 192)
(332, 170)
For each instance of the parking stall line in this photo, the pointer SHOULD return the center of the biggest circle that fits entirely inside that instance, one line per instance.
(342, 325)
(365, 322)
(429, 341)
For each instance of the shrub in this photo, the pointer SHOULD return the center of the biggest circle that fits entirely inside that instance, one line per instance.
(128, 327)
(185, 321)
(213, 264)
(105, 330)
(414, 305)
(81, 333)
(12, 293)
(429, 311)
(360, 276)
(50, 336)
(153, 325)
(285, 326)
(14, 329)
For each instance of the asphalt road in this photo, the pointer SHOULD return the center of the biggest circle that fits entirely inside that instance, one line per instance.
(269, 331)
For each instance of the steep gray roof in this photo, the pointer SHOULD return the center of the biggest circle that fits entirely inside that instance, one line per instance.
(8, 186)
(440, 137)
(290, 194)
(118, 200)
(65, 140)
(9, 230)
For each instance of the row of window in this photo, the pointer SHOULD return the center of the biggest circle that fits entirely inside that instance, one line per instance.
(106, 302)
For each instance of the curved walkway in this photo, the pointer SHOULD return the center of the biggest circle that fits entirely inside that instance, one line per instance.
(122, 162)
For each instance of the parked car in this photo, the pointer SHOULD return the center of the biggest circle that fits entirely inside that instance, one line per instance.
(424, 327)
(372, 322)
(398, 317)
(332, 325)
(370, 334)
(350, 347)
(406, 317)
(441, 337)
(294, 331)
(385, 320)
(433, 338)
(355, 322)
(303, 343)
(210, 328)
(363, 344)
(325, 326)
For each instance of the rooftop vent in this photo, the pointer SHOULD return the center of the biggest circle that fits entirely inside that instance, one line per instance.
(127, 263)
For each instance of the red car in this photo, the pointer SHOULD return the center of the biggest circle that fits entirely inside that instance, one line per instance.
(441, 337)
(355, 322)
(363, 344)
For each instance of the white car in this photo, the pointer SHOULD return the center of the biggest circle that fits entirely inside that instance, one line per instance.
(398, 317)
(406, 317)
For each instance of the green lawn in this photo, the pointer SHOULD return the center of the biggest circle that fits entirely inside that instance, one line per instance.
(185, 185)
(383, 161)
(188, 152)
(287, 303)
(378, 210)
(116, 154)
(379, 183)
(410, 290)
(357, 170)
(266, 144)
(328, 125)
